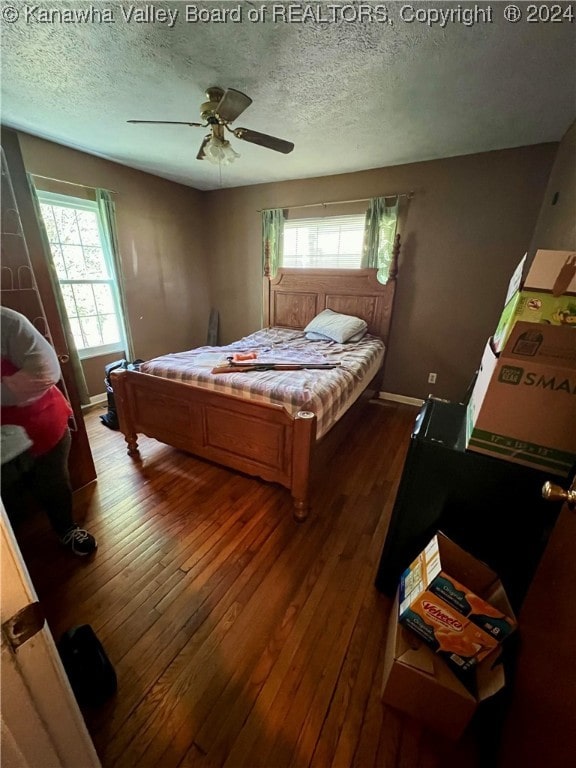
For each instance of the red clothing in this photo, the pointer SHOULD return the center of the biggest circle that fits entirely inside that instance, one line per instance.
(45, 420)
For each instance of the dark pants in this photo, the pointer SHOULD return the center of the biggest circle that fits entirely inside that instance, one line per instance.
(46, 479)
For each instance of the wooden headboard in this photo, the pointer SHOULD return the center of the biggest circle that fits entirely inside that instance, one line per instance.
(298, 295)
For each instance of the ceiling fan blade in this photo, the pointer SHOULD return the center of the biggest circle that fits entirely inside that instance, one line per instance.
(271, 142)
(231, 105)
(165, 122)
(200, 155)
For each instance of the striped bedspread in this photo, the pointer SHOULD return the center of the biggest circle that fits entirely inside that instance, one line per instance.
(328, 393)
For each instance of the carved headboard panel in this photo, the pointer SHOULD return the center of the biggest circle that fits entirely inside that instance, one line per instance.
(297, 295)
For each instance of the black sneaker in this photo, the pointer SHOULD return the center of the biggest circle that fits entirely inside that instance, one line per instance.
(80, 541)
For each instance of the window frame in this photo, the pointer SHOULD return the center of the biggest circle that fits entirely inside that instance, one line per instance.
(78, 203)
(302, 221)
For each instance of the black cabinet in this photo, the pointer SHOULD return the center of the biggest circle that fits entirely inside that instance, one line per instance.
(490, 507)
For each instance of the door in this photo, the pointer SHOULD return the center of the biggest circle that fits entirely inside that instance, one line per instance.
(27, 288)
(41, 722)
(540, 729)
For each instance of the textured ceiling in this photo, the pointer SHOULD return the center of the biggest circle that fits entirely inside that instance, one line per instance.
(350, 95)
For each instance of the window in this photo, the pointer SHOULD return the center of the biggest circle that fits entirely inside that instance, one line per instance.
(333, 242)
(85, 270)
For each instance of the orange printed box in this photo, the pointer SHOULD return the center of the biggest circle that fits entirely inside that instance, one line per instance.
(478, 611)
(455, 603)
(446, 631)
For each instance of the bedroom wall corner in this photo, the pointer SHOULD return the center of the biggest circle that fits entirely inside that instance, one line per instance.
(556, 225)
(162, 237)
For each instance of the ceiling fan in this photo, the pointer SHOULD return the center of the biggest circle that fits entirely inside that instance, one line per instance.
(221, 109)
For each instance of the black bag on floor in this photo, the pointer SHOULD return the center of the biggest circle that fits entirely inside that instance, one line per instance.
(110, 418)
(90, 672)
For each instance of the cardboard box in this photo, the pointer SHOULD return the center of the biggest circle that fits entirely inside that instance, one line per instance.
(523, 406)
(418, 683)
(548, 294)
(455, 603)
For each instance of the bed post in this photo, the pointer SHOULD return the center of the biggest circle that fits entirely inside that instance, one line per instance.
(120, 387)
(303, 440)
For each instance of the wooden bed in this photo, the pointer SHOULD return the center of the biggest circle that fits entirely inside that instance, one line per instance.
(259, 439)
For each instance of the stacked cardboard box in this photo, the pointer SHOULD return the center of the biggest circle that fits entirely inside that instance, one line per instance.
(523, 406)
(441, 663)
(548, 294)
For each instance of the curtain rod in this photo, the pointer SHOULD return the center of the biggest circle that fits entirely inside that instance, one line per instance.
(409, 195)
(72, 183)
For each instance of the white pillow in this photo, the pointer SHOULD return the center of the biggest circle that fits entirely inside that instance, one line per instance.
(312, 336)
(337, 327)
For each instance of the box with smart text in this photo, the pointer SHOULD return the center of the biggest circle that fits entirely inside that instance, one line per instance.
(523, 406)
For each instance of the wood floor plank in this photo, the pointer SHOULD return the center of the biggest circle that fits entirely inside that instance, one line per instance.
(234, 653)
(281, 652)
(290, 705)
(337, 742)
(242, 571)
(240, 638)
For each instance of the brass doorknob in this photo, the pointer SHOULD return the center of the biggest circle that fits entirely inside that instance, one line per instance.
(553, 492)
(63, 358)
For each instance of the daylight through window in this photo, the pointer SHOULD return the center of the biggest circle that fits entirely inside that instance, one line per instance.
(85, 272)
(333, 242)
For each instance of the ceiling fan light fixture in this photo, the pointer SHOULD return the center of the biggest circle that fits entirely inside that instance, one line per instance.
(222, 108)
(219, 151)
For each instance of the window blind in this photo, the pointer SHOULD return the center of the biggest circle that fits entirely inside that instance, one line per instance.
(333, 242)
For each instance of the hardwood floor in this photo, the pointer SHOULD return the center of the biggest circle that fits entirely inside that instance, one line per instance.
(240, 638)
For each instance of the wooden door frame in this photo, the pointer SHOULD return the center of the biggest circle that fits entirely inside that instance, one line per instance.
(41, 721)
(539, 726)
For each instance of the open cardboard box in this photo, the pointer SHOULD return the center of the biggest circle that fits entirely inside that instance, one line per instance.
(548, 294)
(419, 683)
(523, 406)
(455, 603)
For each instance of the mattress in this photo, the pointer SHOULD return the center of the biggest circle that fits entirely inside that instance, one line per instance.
(327, 393)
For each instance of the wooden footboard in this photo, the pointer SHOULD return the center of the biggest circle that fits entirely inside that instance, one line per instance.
(259, 439)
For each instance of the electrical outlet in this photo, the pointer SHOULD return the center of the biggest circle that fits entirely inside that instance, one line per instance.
(431, 378)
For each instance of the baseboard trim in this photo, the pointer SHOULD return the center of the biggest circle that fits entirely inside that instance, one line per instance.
(95, 401)
(400, 399)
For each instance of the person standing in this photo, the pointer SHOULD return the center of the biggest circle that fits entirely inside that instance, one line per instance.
(35, 435)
